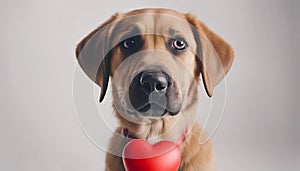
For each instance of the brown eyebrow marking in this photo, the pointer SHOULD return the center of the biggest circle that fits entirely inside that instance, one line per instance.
(135, 31)
(172, 32)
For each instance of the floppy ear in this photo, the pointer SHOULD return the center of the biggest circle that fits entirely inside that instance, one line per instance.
(214, 55)
(94, 51)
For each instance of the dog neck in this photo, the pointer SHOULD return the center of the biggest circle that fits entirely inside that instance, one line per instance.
(179, 142)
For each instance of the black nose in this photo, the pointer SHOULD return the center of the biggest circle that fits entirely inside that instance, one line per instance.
(154, 81)
(149, 92)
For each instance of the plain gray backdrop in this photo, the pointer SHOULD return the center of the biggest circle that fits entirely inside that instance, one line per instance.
(38, 124)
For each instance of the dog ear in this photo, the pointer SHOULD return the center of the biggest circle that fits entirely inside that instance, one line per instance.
(94, 53)
(214, 56)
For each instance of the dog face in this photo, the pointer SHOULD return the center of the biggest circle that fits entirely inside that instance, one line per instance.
(154, 58)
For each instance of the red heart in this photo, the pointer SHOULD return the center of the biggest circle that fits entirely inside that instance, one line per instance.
(139, 155)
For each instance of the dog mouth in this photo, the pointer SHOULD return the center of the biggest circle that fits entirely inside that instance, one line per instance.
(156, 109)
(151, 106)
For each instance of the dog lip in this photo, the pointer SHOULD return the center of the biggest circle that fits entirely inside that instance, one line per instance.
(144, 108)
(173, 113)
(146, 105)
(145, 111)
(150, 110)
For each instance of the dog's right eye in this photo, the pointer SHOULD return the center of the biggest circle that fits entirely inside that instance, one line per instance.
(131, 43)
(128, 43)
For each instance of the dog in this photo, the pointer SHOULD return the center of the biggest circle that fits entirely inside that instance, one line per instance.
(155, 59)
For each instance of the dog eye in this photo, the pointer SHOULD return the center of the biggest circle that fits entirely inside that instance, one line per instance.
(179, 44)
(131, 43)
(128, 43)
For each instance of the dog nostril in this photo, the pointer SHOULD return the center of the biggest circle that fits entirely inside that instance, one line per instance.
(160, 87)
(154, 81)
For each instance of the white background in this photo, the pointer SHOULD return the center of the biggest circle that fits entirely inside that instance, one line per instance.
(38, 124)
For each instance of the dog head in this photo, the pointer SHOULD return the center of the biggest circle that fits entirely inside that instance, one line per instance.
(155, 58)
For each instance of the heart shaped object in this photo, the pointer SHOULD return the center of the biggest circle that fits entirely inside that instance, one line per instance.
(139, 155)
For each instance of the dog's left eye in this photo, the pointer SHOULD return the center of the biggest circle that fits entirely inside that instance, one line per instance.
(179, 44)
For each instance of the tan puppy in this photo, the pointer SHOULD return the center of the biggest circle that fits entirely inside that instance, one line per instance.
(154, 58)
